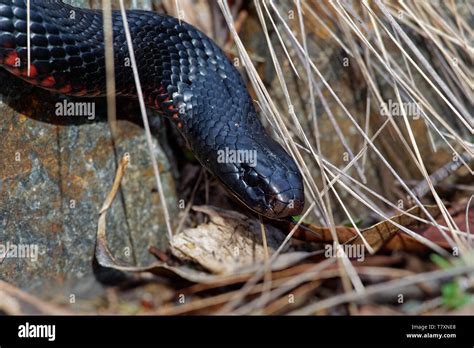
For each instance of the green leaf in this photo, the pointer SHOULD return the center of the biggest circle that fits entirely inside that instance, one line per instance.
(440, 261)
(348, 223)
(453, 296)
(296, 218)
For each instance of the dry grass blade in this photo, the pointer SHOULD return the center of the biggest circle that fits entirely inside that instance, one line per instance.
(145, 119)
(109, 66)
(390, 285)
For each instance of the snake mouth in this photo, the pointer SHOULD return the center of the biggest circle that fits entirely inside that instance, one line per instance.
(292, 205)
(273, 206)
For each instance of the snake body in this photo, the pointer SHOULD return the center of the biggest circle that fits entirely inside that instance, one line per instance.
(184, 75)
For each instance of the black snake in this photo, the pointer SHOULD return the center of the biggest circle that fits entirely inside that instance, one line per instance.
(184, 75)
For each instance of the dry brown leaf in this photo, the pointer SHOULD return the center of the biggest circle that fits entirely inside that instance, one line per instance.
(405, 242)
(227, 244)
(383, 234)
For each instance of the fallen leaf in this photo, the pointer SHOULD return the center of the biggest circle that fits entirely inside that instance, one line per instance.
(385, 234)
(229, 242)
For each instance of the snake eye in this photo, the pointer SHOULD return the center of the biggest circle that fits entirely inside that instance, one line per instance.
(251, 177)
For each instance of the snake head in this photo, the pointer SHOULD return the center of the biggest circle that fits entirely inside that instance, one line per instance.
(260, 174)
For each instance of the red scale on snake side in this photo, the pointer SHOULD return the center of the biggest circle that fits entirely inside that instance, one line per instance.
(48, 82)
(11, 58)
(66, 89)
(32, 74)
(159, 105)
